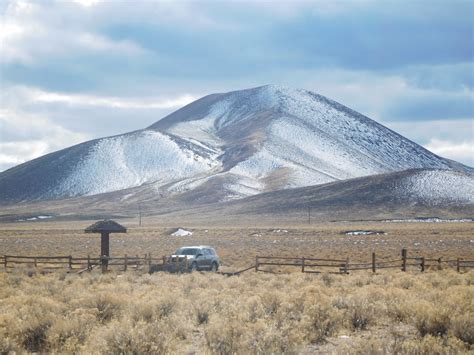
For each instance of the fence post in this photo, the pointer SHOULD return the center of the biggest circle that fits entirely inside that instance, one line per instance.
(70, 262)
(439, 264)
(88, 262)
(125, 264)
(404, 259)
(5, 261)
(35, 262)
(373, 261)
(302, 264)
(137, 262)
(458, 266)
(256, 263)
(422, 264)
(346, 266)
(104, 260)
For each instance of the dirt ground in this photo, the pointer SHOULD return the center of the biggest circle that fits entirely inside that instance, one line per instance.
(238, 245)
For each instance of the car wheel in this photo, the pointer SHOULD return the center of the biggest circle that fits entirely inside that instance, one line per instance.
(214, 267)
(194, 267)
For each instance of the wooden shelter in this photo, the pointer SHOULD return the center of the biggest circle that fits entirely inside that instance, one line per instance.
(105, 227)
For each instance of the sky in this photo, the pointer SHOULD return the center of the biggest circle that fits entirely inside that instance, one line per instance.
(74, 70)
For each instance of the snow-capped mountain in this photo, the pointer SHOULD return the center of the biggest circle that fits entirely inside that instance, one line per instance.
(236, 144)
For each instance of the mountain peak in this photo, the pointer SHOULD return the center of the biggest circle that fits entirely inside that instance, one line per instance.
(234, 106)
(227, 145)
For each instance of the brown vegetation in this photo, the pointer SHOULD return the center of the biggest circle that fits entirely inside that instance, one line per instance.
(133, 312)
(253, 313)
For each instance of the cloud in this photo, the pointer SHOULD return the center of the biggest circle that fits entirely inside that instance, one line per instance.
(87, 3)
(21, 126)
(431, 105)
(114, 102)
(176, 39)
(387, 97)
(29, 116)
(26, 136)
(96, 68)
(29, 37)
(384, 36)
(452, 139)
(448, 77)
(461, 151)
(14, 153)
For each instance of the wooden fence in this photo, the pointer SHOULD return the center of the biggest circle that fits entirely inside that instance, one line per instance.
(343, 266)
(71, 263)
(308, 265)
(262, 263)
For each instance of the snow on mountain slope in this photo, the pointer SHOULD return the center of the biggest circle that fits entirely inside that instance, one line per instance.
(434, 187)
(313, 139)
(237, 144)
(401, 194)
(134, 159)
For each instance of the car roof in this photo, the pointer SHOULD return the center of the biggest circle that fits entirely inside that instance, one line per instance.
(196, 246)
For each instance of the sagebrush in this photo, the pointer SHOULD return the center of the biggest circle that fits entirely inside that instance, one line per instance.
(254, 313)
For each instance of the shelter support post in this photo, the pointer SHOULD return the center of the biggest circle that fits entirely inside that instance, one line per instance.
(104, 250)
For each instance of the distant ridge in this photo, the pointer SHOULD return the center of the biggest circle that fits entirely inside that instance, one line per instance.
(400, 195)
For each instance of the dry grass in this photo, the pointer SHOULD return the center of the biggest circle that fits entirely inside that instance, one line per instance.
(254, 313)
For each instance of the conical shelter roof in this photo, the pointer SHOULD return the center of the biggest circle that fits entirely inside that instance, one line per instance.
(106, 226)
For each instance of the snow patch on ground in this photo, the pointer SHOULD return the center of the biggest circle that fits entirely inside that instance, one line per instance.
(430, 220)
(362, 232)
(187, 184)
(198, 131)
(181, 233)
(242, 186)
(34, 218)
(126, 197)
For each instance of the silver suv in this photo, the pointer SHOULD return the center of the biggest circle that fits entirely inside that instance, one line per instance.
(199, 257)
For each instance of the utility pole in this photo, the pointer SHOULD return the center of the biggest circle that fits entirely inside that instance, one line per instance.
(309, 215)
(140, 214)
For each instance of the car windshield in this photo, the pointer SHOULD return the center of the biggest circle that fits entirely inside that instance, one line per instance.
(186, 251)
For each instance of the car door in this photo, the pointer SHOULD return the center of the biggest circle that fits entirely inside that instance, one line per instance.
(207, 258)
(202, 259)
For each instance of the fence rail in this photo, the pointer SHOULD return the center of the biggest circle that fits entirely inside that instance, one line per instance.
(340, 266)
(262, 263)
(307, 265)
(71, 263)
